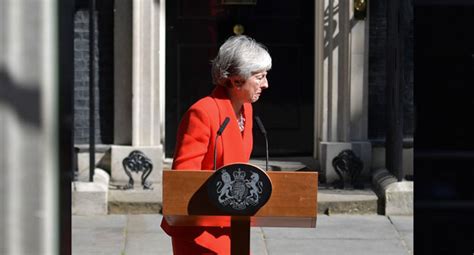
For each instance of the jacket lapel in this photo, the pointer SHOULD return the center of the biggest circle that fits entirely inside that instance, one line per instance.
(231, 140)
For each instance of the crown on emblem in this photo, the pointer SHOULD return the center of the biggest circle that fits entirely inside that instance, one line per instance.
(239, 175)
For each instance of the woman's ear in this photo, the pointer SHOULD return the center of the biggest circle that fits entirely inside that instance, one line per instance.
(236, 81)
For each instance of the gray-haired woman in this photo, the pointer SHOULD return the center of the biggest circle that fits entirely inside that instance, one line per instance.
(240, 74)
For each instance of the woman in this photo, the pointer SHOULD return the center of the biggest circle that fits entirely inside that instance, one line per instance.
(240, 74)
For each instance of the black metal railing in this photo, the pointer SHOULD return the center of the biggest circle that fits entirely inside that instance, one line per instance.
(92, 22)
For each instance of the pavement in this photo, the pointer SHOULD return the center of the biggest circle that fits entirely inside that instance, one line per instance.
(140, 234)
(349, 222)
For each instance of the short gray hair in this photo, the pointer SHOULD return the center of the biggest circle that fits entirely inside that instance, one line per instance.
(239, 55)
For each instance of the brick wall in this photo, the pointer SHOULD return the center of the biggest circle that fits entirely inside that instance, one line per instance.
(104, 90)
(377, 83)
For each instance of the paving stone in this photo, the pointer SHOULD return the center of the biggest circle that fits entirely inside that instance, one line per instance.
(98, 221)
(144, 243)
(339, 227)
(145, 223)
(404, 225)
(99, 240)
(335, 246)
(338, 234)
(257, 242)
(408, 240)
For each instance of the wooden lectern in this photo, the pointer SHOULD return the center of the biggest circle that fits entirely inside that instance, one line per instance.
(293, 203)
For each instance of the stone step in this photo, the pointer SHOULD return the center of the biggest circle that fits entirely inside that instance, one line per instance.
(134, 201)
(347, 201)
(330, 201)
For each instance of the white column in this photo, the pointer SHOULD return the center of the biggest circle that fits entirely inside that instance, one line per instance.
(336, 88)
(146, 107)
(28, 127)
(146, 90)
(359, 80)
(344, 72)
(342, 99)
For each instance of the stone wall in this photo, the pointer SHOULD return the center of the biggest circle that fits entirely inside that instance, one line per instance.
(104, 90)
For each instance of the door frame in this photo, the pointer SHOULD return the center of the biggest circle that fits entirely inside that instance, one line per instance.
(318, 72)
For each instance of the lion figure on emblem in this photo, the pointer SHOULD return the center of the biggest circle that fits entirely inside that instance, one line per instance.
(224, 188)
(255, 186)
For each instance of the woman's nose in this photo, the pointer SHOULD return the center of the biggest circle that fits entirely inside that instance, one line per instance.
(264, 84)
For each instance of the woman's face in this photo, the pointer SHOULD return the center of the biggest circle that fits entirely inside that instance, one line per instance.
(251, 89)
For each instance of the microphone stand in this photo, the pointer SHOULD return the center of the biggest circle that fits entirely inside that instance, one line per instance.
(266, 151)
(215, 152)
(264, 132)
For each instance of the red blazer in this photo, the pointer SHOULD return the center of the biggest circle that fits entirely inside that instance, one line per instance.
(198, 130)
(196, 139)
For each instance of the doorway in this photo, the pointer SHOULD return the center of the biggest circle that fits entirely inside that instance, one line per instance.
(195, 30)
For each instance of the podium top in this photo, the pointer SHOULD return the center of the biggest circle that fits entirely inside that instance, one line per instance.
(293, 202)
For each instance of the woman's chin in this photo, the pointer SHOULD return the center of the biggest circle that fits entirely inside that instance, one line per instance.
(255, 98)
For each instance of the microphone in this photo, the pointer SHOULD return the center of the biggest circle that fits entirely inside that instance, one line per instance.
(264, 132)
(219, 133)
(224, 124)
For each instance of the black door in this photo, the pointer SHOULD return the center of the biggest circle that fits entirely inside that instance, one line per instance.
(195, 30)
(444, 137)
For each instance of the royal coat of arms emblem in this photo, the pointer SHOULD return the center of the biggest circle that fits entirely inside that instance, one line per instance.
(240, 188)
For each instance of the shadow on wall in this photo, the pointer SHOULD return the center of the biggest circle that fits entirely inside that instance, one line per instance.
(22, 99)
(336, 40)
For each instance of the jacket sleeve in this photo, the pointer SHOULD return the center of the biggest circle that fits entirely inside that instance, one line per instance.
(192, 140)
